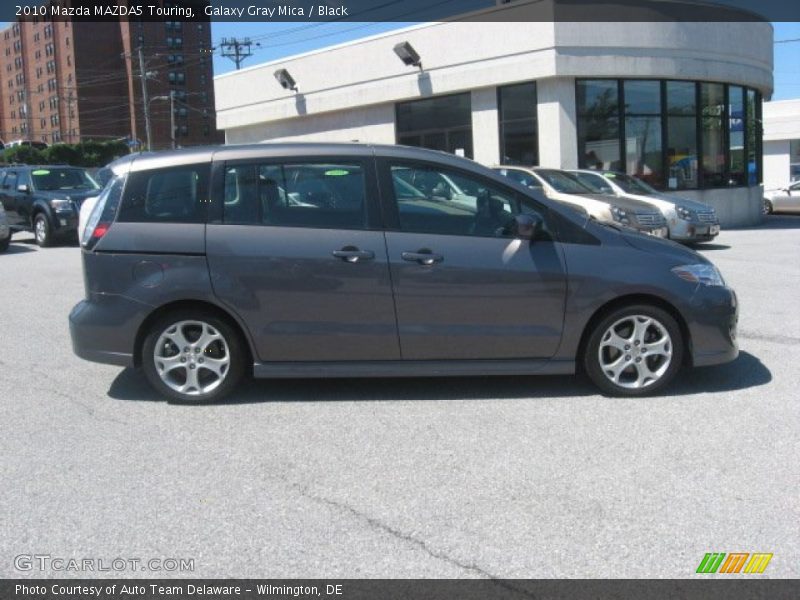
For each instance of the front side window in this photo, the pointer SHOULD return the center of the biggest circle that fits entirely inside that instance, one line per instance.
(445, 202)
(313, 195)
(171, 195)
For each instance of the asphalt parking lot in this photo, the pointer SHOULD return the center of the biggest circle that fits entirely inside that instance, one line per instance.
(494, 477)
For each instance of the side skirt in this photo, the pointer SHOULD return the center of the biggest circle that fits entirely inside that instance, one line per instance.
(401, 368)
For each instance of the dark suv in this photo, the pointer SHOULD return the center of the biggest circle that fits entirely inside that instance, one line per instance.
(45, 199)
(331, 260)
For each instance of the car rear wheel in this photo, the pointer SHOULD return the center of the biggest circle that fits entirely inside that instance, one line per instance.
(767, 207)
(4, 244)
(634, 351)
(193, 357)
(42, 231)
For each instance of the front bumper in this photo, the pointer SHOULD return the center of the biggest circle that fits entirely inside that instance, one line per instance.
(693, 231)
(712, 325)
(64, 222)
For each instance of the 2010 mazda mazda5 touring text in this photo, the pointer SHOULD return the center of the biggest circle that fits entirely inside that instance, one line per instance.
(318, 260)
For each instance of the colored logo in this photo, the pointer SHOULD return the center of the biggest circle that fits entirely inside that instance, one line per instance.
(735, 562)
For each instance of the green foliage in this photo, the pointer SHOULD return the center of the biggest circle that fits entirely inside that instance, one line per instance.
(90, 153)
(23, 154)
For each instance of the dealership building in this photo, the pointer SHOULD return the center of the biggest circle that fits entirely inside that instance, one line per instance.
(676, 103)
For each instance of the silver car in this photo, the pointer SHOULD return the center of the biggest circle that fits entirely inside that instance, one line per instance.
(688, 220)
(785, 199)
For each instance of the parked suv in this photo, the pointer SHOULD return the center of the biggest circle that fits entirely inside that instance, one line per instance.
(5, 230)
(331, 260)
(564, 187)
(688, 220)
(45, 199)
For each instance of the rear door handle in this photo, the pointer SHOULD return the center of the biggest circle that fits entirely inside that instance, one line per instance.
(352, 254)
(423, 257)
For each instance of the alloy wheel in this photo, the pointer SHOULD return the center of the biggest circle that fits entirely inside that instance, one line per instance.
(40, 231)
(635, 352)
(192, 358)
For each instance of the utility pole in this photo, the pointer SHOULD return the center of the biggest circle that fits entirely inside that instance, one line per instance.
(237, 50)
(145, 101)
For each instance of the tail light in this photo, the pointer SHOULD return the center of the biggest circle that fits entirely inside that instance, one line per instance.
(103, 214)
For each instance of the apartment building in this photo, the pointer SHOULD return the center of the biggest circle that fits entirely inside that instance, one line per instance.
(67, 81)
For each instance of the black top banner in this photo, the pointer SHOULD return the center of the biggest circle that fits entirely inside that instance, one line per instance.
(398, 589)
(404, 10)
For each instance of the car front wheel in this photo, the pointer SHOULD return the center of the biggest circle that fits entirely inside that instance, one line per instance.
(42, 231)
(634, 351)
(194, 357)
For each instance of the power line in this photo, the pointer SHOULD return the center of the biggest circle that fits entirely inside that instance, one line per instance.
(787, 41)
(237, 50)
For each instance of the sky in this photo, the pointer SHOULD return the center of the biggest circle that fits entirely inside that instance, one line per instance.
(279, 40)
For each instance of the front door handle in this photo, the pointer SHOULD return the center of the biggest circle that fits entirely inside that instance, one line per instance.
(352, 254)
(423, 257)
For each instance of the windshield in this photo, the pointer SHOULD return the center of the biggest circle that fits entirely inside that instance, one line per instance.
(630, 185)
(596, 183)
(562, 182)
(52, 179)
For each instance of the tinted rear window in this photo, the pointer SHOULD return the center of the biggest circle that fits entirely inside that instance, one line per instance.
(171, 195)
(314, 195)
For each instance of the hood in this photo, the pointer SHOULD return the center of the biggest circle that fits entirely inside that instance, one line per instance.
(666, 248)
(633, 204)
(77, 196)
(678, 201)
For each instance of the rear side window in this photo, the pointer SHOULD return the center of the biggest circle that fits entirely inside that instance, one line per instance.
(313, 195)
(171, 195)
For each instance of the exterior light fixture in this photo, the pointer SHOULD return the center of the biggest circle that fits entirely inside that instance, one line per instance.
(287, 81)
(408, 55)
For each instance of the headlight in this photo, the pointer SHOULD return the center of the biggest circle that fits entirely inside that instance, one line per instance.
(684, 213)
(619, 215)
(59, 204)
(700, 273)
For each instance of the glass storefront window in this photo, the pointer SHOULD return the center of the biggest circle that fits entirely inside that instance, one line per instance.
(681, 135)
(736, 164)
(519, 140)
(643, 121)
(753, 135)
(673, 134)
(598, 124)
(440, 123)
(712, 103)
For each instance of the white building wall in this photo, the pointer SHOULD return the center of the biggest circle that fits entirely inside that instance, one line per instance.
(372, 124)
(558, 137)
(485, 131)
(776, 164)
(781, 125)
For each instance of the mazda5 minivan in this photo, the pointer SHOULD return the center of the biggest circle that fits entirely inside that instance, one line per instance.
(203, 266)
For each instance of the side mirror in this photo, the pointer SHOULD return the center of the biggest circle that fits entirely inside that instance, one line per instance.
(23, 188)
(526, 226)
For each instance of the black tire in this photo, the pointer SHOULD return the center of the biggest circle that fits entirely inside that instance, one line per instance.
(624, 319)
(767, 207)
(4, 244)
(42, 231)
(236, 352)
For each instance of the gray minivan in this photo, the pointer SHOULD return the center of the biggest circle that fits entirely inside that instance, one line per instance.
(339, 260)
